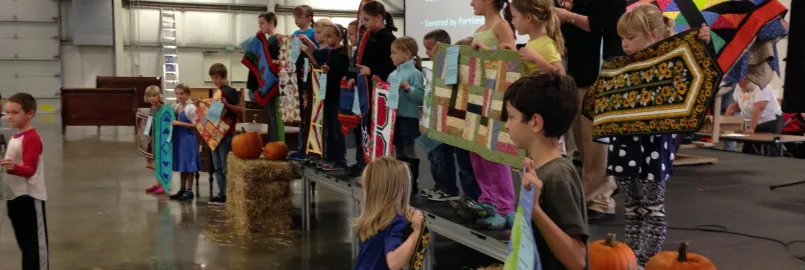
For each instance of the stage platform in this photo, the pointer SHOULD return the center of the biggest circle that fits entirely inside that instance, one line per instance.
(733, 193)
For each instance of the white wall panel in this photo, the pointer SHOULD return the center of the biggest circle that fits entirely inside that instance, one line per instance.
(28, 10)
(204, 28)
(83, 63)
(243, 2)
(147, 25)
(391, 5)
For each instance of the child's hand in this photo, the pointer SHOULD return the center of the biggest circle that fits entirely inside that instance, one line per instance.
(351, 84)
(176, 123)
(304, 48)
(376, 78)
(529, 55)
(531, 181)
(507, 46)
(405, 86)
(303, 38)
(325, 68)
(366, 71)
(415, 217)
(8, 165)
(704, 34)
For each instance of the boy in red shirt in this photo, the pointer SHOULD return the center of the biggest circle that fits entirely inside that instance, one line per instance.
(26, 180)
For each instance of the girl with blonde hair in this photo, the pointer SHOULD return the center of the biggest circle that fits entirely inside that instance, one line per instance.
(385, 216)
(545, 45)
(153, 95)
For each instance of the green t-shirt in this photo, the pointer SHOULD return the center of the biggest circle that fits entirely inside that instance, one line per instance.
(563, 202)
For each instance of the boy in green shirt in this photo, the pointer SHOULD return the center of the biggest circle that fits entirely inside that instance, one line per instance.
(539, 109)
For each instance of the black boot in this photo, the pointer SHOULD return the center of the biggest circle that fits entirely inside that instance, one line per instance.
(413, 165)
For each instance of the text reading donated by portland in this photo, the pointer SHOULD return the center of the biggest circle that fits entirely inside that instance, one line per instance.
(454, 22)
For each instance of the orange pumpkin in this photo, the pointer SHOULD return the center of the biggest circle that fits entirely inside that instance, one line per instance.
(681, 260)
(611, 255)
(275, 151)
(247, 145)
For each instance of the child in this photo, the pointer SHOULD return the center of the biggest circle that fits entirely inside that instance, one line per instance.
(185, 149)
(335, 36)
(318, 55)
(25, 177)
(642, 164)
(542, 52)
(231, 100)
(352, 34)
(404, 54)
(153, 95)
(268, 26)
(372, 59)
(496, 203)
(536, 120)
(758, 106)
(385, 216)
(303, 18)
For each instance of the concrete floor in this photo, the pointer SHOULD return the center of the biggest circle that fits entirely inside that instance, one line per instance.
(100, 218)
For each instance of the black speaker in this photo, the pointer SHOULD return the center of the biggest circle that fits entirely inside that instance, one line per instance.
(794, 85)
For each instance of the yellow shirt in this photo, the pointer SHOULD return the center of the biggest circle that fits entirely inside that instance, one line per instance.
(544, 46)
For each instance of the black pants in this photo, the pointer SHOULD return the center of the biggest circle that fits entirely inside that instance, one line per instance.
(773, 127)
(27, 216)
(336, 148)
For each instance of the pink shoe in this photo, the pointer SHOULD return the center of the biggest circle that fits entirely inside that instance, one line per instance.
(152, 188)
(159, 190)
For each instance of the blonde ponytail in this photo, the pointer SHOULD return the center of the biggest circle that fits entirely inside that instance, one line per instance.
(555, 32)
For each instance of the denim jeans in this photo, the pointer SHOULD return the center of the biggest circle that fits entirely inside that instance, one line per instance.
(219, 162)
(443, 169)
(466, 175)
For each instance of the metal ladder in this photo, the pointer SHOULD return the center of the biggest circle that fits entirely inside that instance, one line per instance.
(167, 39)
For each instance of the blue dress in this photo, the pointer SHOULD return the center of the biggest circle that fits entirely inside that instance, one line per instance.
(185, 148)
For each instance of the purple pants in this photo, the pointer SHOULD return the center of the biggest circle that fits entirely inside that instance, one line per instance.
(495, 182)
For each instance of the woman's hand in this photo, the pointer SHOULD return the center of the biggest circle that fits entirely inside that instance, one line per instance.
(366, 71)
(405, 86)
(415, 217)
(704, 34)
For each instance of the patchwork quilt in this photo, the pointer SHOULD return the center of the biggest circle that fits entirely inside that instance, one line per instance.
(289, 91)
(666, 88)
(468, 115)
(378, 132)
(733, 23)
(258, 60)
(211, 132)
(315, 145)
(144, 143)
(163, 147)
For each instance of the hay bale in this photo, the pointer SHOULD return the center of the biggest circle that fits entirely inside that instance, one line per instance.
(258, 195)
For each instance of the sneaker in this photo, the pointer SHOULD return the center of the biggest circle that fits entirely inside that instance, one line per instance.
(483, 210)
(159, 190)
(464, 209)
(217, 200)
(177, 195)
(440, 196)
(187, 196)
(320, 164)
(509, 220)
(151, 189)
(298, 156)
(332, 167)
(493, 222)
(427, 193)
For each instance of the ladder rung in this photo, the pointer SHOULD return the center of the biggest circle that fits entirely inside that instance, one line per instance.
(169, 29)
(169, 38)
(169, 46)
(171, 72)
(170, 55)
(172, 64)
(171, 81)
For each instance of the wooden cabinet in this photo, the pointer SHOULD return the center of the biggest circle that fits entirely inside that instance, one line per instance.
(138, 83)
(98, 107)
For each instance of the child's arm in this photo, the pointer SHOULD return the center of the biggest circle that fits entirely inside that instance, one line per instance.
(546, 58)
(756, 112)
(416, 89)
(309, 54)
(31, 151)
(397, 258)
(233, 96)
(732, 109)
(570, 250)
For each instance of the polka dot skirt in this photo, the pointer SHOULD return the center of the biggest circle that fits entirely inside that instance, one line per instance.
(647, 157)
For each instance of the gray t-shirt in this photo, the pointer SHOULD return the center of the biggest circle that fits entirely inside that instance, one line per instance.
(563, 202)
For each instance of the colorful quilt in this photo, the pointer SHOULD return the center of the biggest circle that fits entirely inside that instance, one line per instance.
(418, 260)
(733, 23)
(258, 60)
(144, 143)
(289, 92)
(163, 147)
(666, 88)
(468, 115)
(314, 142)
(378, 133)
(211, 132)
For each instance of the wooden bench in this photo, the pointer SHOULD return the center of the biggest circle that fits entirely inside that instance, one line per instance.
(138, 83)
(98, 107)
(772, 140)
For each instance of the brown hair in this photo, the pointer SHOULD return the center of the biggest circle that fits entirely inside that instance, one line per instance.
(506, 7)
(408, 44)
(556, 101)
(353, 22)
(182, 88)
(304, 10)
(341, 32)
(269, 17)
(218, 69)
(438, 35)
(540, 11)
(26, 101)
(465, 42)
(322, 23)
(645, 18)
(375, 8)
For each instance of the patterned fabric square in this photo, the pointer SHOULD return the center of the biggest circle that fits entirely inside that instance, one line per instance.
(144, 143)
(315, 144)
(289, 92)
(163, 147)
(468, 115)
(211, 132)
(665, 88)
(378, 133)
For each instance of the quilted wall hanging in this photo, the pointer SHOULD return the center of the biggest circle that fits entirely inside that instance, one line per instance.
(378, 133)
(314, 140)
(211, 131)
(258, 60)
(665, 88)
(733, 23)
(289, 92)
(144, 143)
(468, 115)
(163, 147)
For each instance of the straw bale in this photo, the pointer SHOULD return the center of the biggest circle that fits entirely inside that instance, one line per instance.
(258, 195)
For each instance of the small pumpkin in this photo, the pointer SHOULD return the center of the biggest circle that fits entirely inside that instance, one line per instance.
(247, 145)
(609, 254)
(275, 151)
(681, 260)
